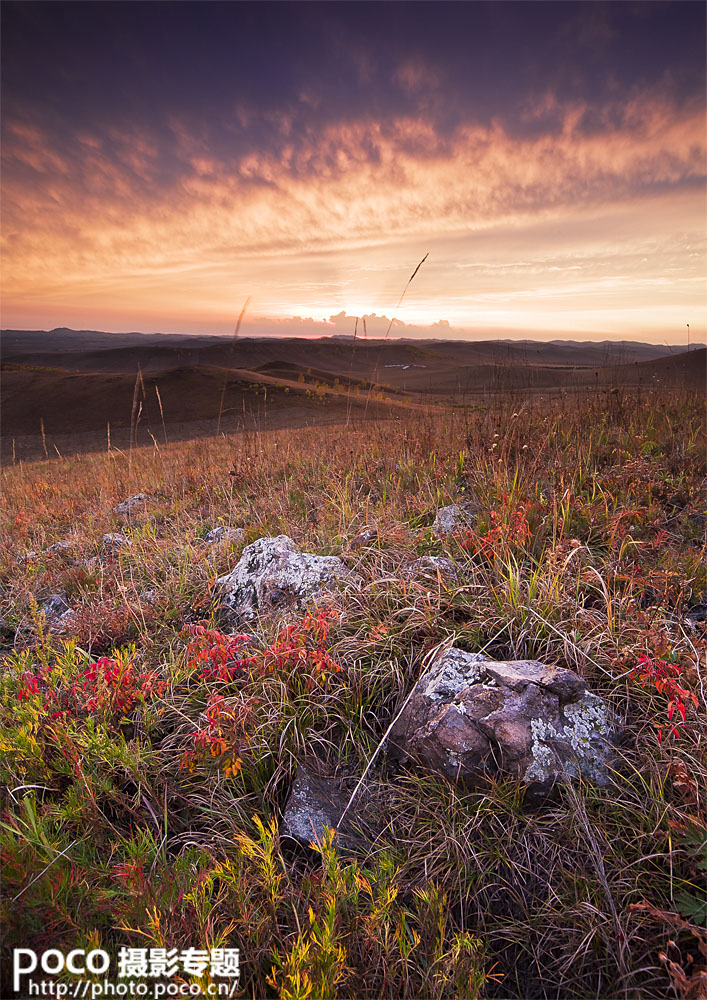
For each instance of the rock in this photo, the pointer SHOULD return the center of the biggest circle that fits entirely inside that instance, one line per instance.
(273, 576)
(696, 618)
(55, 606)
(57, 547)
(697, 613)
(432, 566)
(363, 538)
(222, 534)
(112, 542)
(56, 612)
(316, 802)
(452, 518)
(472, 719)
(125, 506)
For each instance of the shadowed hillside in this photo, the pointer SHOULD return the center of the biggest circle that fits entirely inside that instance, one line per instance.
(70, 391)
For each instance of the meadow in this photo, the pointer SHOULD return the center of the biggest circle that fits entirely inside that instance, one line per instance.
(147, 754)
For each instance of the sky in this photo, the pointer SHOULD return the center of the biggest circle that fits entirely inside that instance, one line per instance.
(162, 163)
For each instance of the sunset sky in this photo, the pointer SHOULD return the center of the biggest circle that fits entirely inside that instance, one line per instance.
(164, 161)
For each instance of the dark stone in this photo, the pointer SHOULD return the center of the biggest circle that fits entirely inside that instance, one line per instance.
(316, 802)
(697, 613)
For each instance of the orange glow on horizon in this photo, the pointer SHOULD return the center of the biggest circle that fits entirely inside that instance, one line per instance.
(599, 235)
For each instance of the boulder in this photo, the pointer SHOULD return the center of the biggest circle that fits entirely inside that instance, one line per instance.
(273, 576)
(472, 719)
(454, 518)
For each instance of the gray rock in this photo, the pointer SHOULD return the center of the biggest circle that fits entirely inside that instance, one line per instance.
(273, 576)
(432, 567)
(57, 612)
(112, 542)
(363, 538)
(55, 606)
(57, 547)
(126, 506)
(222, 534)
(696, 618)
(315, 803)
(454, 518)
(472, 719)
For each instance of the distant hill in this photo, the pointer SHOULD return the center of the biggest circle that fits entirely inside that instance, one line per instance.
(121, 351)
(73, 383)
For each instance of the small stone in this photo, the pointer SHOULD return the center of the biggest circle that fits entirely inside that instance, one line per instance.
(56, 547)
(432, 566)
(697, 613)
(454, 518)
(57, 612)
(112, 542)
(221, 534)
(126, 506)
(696, 618)
(315, 803)
(55, 606)
(363, 538)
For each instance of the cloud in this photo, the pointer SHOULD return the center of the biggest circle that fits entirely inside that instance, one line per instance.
(177, 221)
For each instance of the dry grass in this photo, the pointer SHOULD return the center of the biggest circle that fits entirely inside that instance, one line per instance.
(588, 551)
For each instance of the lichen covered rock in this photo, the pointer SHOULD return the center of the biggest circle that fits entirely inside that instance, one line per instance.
(432, 567)
(273, 576)
(113, 542)
(450, 519)
(57, 612)
(472, 719)
(222, 534)
(130, 503)
(367, 536)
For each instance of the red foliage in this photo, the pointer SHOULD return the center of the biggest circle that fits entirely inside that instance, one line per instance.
(217, 654)
(303, 645)
(663, 675)
(509, 529)
(107, 687)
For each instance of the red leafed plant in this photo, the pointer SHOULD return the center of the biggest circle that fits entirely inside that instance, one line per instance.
(108, 688)
(215, 655)
(663, 676)
(298, 648)
(509, 528)
(303, 645)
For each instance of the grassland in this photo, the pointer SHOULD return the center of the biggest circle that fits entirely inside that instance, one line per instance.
(143, 786)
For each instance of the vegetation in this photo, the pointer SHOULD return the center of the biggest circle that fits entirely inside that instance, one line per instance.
(148, 752)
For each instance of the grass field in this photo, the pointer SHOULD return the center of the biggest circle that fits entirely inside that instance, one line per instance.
(146, 764)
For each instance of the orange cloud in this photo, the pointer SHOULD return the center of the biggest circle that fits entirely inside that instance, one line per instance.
(103, 225)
